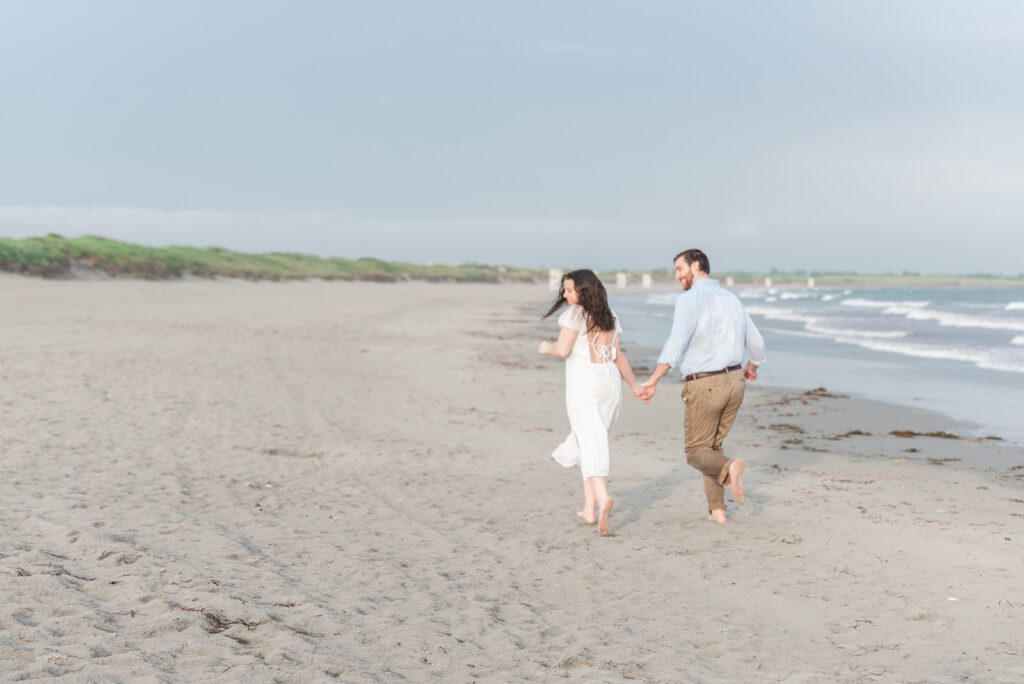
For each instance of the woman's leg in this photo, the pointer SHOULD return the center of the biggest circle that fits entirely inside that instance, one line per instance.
(587, 514)
(599, 486)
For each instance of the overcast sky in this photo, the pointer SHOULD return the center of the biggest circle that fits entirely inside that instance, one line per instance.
(866, 136)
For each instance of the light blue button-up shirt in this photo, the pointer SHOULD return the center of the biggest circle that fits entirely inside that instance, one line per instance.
(710, 331)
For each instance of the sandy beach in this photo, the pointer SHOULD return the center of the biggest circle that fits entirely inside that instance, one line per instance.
(317, 481)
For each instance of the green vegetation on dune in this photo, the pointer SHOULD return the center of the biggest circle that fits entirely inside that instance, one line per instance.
(53, 256)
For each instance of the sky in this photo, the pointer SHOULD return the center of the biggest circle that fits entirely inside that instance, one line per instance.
(871, 136)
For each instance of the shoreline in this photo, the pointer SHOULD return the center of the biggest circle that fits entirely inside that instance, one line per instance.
(962, 389)
(353, 480)
(957, 435)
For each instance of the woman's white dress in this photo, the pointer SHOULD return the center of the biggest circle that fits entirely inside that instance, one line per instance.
(593, 395)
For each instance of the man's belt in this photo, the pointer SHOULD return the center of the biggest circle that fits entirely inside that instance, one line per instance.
(707, 374)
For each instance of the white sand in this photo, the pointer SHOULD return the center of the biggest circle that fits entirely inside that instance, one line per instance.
(361, 473)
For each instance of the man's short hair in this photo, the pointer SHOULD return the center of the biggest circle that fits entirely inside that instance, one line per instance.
(700, 257)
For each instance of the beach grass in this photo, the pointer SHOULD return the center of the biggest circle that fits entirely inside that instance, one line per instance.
(55, 256)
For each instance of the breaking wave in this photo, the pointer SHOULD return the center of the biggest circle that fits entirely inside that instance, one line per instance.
(987, 358)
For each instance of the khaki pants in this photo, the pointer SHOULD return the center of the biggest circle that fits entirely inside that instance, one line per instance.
(711, 407)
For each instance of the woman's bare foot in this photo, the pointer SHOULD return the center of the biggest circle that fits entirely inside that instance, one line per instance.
(736, 480)
(606, 511)
(718, 516)
(587, 516)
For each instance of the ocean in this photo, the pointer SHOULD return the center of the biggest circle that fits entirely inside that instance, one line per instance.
(957, 351)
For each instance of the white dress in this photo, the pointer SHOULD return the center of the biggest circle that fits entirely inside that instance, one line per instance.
(593, 395)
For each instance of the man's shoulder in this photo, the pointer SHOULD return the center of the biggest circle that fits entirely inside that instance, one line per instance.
(725, 297)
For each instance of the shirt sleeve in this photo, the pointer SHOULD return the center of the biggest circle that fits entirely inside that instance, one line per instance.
(754, 342)
(573, 318)
(684, 322)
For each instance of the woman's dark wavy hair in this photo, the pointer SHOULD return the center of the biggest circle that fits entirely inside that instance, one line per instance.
(593, 299)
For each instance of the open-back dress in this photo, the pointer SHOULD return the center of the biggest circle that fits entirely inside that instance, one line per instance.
(593, 395)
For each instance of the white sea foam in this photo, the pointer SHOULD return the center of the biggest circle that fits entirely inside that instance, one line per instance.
(875, 304)
(1015, 306)
(1019, 339)
(874, 334)
(829, 297)
(663, 298)
(814, 324)
(991, 358)
(780, 314)
(917, 311)
(799, 294)
(796, 333)
(958, 320)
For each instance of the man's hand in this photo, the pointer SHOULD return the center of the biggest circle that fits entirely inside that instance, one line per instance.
(647, 390)
(750, 372)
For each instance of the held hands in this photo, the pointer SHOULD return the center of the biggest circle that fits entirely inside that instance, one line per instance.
(645, 391)
(545, 347)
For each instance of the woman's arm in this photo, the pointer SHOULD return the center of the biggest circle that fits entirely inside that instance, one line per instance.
(562, 346)
(625, 369)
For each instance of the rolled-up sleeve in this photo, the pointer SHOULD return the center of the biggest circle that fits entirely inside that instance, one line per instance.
(754, 342)
(684, 322)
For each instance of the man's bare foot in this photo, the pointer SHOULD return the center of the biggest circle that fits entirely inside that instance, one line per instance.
(606, 511)
(736, 480)
(718, 516)
(586, 516)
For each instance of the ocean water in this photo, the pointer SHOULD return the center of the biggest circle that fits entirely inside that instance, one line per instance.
(958, 351)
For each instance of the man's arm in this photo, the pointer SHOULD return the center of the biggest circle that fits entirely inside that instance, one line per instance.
(755, 349)
(684, 321)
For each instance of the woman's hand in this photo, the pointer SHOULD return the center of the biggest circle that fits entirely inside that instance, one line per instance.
(545, 347)
(647, 390)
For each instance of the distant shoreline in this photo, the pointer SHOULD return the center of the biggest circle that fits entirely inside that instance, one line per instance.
(90, 257)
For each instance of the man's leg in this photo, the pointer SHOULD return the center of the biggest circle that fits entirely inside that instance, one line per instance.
(732, 473)
(705, 399)
(736, 387)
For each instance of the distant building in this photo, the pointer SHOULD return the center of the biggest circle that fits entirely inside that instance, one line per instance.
(620, 279)
(554, 279)
(645, 281)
